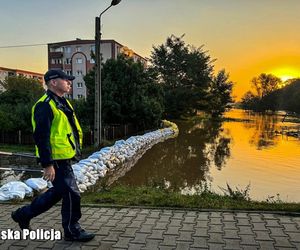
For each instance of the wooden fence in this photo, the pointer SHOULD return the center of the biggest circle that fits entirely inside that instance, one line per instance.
(111, 132)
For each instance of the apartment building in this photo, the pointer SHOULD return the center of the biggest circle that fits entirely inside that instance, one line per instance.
(74, 58)
(7, 72)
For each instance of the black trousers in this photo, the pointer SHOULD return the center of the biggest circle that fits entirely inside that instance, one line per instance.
(65, 188)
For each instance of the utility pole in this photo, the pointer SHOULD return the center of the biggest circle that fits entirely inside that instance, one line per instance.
(97, 115)
(98, 87)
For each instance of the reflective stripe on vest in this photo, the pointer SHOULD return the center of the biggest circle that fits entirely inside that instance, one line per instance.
(62, 140)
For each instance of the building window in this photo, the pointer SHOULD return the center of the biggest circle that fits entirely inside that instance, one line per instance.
(78, 48)
(69, 96)
(79, 96)
(79, 60)
(60, 49)
(56, 61)
(68, 61)
(68, 72)
(79, 72)
(79, 85)
(67, 49)
(93, 48)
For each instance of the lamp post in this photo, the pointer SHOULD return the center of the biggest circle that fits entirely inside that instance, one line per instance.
(98, 96)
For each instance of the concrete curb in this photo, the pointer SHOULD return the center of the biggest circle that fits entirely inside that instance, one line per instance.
(285, 213)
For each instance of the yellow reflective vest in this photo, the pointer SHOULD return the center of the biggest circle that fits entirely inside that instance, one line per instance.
(62, 140)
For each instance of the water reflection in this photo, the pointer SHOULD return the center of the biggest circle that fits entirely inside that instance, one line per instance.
(183, 163)
(246, 150)
(265, 130)
(222, 152)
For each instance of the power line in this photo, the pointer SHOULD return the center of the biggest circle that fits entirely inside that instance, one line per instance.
(24, 45)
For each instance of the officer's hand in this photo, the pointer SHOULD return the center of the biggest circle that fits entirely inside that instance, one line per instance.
(49, 173)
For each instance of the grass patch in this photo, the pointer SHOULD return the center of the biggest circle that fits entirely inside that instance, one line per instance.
(17, 148)
(158, 197)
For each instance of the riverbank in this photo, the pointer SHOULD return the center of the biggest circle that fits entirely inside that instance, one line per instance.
(151, 197)
(159, 197)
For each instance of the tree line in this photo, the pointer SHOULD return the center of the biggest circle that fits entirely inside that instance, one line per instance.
(179, 81)
(270, 93)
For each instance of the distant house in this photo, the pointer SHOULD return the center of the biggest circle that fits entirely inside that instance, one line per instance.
(74, 58)
(7, 72)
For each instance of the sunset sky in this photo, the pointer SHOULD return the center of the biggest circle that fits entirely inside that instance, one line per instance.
(246, 37)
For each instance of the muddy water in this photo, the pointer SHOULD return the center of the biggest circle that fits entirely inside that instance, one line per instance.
(249, 150)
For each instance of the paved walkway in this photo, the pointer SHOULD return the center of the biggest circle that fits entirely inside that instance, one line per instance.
(140, 228)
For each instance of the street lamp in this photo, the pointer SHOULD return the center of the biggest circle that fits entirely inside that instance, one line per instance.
(98, 97)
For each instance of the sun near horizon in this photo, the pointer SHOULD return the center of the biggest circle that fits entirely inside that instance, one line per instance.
(243, 80)
(286, 73)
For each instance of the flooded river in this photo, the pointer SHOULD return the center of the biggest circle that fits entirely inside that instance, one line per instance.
(246, 151)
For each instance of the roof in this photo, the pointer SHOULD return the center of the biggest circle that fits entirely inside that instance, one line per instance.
(21, 71)
(81, 41)
(88, 41)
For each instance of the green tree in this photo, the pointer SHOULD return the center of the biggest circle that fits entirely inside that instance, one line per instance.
(85, 112)
(219, 94)
(265, 84)
(85, 108)
(129, 94)
(289, 96)
(185, 73)
(249, 100)
(16, 102)
(266, 97)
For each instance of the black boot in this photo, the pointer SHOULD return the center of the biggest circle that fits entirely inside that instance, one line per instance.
(81, 235)
(23, 223)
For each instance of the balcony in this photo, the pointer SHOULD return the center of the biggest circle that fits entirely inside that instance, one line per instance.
(55, 66)
(56, 54)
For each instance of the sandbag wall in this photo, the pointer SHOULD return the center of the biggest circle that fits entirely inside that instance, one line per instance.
(89, 170)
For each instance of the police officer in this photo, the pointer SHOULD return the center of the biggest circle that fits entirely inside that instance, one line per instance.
(58, 139)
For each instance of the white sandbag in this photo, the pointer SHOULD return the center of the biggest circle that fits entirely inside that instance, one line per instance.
(102, 173)
(100, 165)
(105, 150)
(80, 177)
(86, 162)
(95, 155)
(77, 167)
(93, 181)
(93, 159)
(119, 142)
(82, 188)
(15, 190)
(37, 184)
